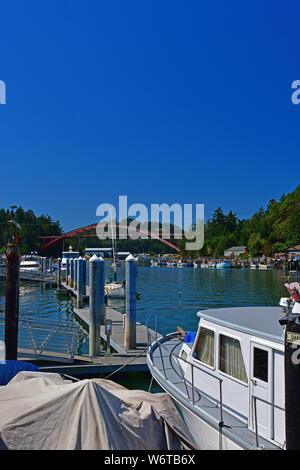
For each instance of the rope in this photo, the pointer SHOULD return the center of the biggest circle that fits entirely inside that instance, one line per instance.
(124, 365)
(150, 384)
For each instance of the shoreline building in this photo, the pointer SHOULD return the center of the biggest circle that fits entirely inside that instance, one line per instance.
(235, 251)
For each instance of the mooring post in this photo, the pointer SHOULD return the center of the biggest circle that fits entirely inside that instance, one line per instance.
(71, 272)
(75, 274)
(130, 321)
(12, 301)
(67, 271)
(95, 306)
(58, 278)
(50, 263)
(80, 266)
(84, 275)
(102, 292)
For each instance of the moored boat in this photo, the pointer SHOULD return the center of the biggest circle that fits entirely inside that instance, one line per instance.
(228, 382)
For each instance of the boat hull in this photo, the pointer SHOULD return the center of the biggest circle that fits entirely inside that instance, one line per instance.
(206, 437)
(115, 292)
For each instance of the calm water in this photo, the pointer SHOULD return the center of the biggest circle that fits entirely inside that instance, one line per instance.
(201, 288)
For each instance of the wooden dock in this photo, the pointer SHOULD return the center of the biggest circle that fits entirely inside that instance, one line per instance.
(121, 358)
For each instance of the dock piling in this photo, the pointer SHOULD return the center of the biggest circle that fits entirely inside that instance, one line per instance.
(58, 277)
(79, 282)
(130, 323)
(12, 301)
(67, 271)
(84, 276)
(71, 273)
(75, 274)
(95, 306)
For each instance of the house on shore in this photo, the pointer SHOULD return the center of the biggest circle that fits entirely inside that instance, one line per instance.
(235, 251)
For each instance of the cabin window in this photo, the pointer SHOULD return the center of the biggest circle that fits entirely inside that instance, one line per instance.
(184, 355)
(231, 358)
(260, 364)
(205, 347)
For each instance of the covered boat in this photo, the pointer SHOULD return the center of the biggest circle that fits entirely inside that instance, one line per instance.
(42, 411)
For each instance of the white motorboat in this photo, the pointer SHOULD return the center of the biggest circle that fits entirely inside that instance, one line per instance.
(253, 266)
(30, 263)
(171, 264)
(182, 264)
(228, 379)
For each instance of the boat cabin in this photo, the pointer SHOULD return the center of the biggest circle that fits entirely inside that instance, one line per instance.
(243, 349)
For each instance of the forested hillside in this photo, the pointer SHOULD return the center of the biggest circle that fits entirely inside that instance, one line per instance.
(268, 231)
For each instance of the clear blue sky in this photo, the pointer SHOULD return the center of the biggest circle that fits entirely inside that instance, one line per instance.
(164, 101)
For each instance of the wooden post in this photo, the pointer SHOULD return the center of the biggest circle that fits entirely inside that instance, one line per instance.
(12, 301)
(130, 323)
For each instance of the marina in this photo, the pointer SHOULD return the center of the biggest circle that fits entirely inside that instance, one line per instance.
(150, 229)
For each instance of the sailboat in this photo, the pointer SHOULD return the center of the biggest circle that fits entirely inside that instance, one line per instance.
(113, 287)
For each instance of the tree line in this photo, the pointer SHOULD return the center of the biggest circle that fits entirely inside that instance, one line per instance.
(268, 231)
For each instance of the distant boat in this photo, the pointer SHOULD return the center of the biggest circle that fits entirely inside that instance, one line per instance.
(224, 264)
(262, 266)
(171, 264)
(30, 263)
(253, 266)
(115, 289)
(182, 264)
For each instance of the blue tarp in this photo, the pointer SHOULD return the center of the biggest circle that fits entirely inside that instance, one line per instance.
(8, 369)
(190, 337)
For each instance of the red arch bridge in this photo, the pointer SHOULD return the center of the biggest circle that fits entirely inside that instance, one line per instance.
(82, 232)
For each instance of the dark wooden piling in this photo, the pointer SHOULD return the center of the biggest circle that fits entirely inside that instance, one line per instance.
(12, 301)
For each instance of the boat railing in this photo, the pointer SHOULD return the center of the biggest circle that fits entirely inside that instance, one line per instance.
(254, 399)
(153, 338)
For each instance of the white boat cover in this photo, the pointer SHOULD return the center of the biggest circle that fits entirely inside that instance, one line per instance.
(42, 411)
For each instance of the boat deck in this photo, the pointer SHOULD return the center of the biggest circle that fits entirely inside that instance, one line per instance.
(169, 375)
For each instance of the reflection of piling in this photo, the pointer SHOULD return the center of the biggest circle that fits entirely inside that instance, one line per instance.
(130, 322)
(79, 278)
(94, 328)
(58, 277)
(12, 302)
(71, 272)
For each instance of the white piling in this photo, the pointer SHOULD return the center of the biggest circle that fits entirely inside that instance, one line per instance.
(71, 273)
(84, 276)
(130, 323)
(67, 271)
(58, 273)
(94, 328)
(80, 266)
(75, 274)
